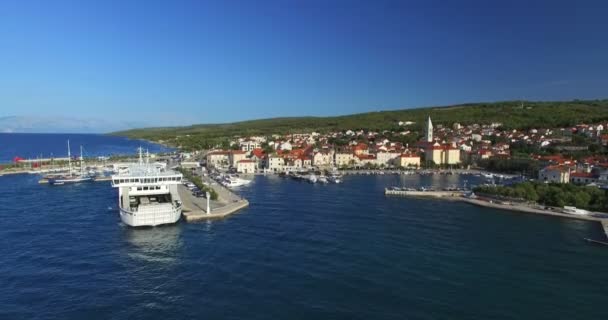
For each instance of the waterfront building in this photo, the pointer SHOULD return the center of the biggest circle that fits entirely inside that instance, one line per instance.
(388, 158)
(236, 156)
(409, 160)
(360, 148)
(583, 178)
(323, 158)
(218, 158)
(276, 163)
(345, 159)
(259, 158)
(366, 159)
(442, 154)
(245, 166)
(555, 174)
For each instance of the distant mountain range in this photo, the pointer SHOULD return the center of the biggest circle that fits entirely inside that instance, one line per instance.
(42, 124)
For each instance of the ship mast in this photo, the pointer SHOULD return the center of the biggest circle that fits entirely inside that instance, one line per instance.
(69, 158)
(81, 159)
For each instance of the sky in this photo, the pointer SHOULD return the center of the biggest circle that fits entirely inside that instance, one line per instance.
(183, 62)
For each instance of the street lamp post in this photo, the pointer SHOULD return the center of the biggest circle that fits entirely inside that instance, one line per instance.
(208, 202)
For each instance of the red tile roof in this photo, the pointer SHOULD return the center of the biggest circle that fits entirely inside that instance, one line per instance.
(582, 175)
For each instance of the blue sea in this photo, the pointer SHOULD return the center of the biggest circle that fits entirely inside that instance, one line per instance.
(300, 251)
(37, 145)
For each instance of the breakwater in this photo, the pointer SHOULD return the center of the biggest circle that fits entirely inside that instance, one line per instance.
(503, 205)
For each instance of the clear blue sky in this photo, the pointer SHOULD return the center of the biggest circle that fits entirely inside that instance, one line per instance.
(201, 61)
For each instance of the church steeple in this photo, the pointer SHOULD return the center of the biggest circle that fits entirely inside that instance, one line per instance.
(429, 130)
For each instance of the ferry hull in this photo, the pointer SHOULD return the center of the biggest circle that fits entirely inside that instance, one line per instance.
(135, 219)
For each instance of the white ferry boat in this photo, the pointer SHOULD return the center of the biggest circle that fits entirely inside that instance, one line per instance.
(147, 194)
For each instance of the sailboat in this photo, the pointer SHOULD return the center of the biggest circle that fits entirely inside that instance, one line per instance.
(72, 176)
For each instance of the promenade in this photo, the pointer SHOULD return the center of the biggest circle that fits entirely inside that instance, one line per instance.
(518, 207)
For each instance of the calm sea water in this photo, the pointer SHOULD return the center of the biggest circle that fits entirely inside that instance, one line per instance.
(300, 251)
(33, 145)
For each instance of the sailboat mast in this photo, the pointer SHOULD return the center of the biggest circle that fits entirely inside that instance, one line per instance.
(81, 159)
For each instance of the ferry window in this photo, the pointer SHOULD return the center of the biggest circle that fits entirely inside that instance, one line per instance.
(145, 188)
(138, 188)
(115, 181)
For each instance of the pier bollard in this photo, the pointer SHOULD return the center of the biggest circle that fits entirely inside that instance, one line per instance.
(208, 202)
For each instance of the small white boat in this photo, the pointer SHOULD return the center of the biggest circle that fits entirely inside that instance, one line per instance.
(312, 178)
(334, 179)
(323, 179)
(232, 182)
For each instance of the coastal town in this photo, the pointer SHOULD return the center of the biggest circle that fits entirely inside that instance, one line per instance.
(559, 155)
(540, 162)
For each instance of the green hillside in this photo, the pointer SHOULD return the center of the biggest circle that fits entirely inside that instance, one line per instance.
(512, 114)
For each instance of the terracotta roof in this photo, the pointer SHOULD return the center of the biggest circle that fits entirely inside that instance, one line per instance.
(221, 152)
(258, 152)
(582, 175)
(366, 156)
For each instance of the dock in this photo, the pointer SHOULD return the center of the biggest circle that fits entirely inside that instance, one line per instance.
(195, 209)
(605, 226)
(417, 193)
(96, 179)
(502, 205)
(596, 241)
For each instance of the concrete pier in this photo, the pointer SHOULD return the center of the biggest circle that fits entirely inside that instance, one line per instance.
(605, 226)
(511, 206)
(195, 209)
(416, 193)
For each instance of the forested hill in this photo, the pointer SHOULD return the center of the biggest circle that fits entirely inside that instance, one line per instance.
(512, 114)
